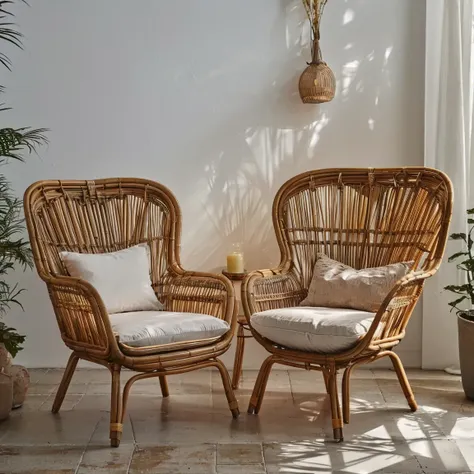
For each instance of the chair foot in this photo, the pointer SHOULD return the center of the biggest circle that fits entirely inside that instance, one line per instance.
(338, 436)
(115, 434)
(412, 403)
(115, 440)
(164, 386)
(336, 414)
(65, 381)
(260, 385)
(229, 392)
(252, 409)
(403, 380)
(116, 411)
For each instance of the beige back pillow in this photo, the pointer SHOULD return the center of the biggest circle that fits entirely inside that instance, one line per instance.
(336, 285)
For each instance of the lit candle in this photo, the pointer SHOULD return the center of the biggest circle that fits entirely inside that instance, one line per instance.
(235, 262)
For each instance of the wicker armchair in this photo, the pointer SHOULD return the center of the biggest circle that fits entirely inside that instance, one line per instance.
(108, 215)
(363, 218)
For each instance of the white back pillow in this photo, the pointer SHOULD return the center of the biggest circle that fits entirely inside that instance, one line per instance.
(121, 278)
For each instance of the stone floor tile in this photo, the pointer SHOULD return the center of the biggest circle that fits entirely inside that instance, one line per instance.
(294, 424)
(467, 406)
(44, 460)
(98, 388)
(100, 436)
(189, 427)
(199, 458)
(241, 469)
(352, 456)
(69, 403)
(32, 403)
(384, 374)
(36, 375)
(455, 425)
(177, 469)
(278, 382)
(466, 448)
(43, 428)
(93, 403)
(78, 388)
(42, 389)
(99, 375)
(306, 377)
(239, 453)
(440, 455)
(191, 383)
(105, 460)
(48, 376)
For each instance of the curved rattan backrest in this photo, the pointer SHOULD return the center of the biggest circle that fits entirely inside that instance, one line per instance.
(363, 218)
(101, 216)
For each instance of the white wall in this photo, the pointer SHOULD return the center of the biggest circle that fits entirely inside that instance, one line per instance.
(202, 96)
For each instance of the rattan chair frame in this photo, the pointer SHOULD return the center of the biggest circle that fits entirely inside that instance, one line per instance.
(107, 215)
(363, 217)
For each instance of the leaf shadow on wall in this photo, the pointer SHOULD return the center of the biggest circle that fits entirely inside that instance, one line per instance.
(253, 152)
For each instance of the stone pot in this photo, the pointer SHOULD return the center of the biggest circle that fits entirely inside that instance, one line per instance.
(21, 382)
(6, 395)
(466, 351)
(5, 357)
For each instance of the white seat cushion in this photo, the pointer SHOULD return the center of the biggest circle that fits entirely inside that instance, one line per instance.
(315, 329)
(157, 328)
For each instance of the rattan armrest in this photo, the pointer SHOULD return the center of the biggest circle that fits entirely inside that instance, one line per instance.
(82, 318)
(199, 292)
(270, 289)
(389, 324)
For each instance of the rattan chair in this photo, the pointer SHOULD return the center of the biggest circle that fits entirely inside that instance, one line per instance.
(363, 218)
(108, 215)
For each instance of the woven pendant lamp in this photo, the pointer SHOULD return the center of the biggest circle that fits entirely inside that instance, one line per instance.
(317, 82)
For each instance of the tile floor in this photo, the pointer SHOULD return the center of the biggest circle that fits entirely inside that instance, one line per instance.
(193, 432)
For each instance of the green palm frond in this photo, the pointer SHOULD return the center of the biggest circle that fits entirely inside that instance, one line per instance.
(13, 141)
(8, 31)
(14, 249)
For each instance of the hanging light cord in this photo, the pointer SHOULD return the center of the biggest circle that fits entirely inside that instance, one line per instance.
(314, 10)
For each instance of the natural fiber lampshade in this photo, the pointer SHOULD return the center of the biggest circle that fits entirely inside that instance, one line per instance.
(317, 84)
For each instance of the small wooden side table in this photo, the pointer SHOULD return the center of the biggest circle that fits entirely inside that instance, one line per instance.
(243, 330)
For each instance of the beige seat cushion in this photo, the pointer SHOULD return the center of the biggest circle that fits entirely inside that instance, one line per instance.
(337, 285)
(162, 328)
(323, 330)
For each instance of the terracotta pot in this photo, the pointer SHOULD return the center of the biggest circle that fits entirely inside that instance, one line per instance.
(6, 395)
(21, 382)
(466, 352)
(5, 357)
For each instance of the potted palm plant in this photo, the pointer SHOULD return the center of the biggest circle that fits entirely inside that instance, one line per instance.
(14, 249)
(464, 304)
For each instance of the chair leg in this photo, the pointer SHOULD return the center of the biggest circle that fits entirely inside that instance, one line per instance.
(239, 358)
(260, 385)
(116, 417)
(326, 381)
(164, 386)
(65, 381)
(335, 406)
(346, 396)
(402, 378)
(229, 392)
